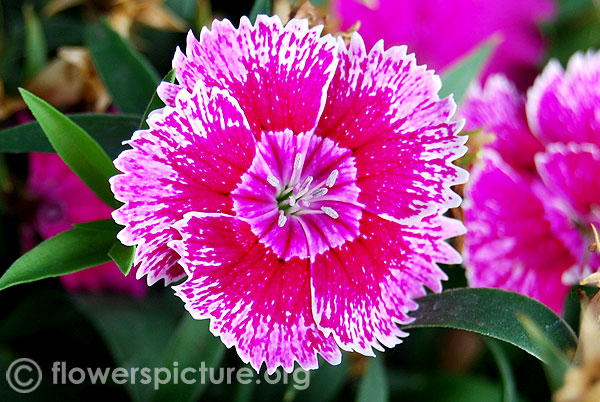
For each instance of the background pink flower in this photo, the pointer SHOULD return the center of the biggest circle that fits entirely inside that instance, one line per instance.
(441, 31)
(62, 199)
(530, 205)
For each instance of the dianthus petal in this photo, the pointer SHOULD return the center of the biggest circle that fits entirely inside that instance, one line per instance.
(499, 109)
(189, 160)
(565, 106)
(385, 108)
(511, 243)
(255, 301)
(364, 288)
(167, 92)
(278, 74)
(572, 173)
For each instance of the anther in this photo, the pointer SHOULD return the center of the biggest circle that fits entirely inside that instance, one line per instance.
(319, 193)
(282, 219)
(292, 200)
(332, 178)
(330, 212)
(273, 180)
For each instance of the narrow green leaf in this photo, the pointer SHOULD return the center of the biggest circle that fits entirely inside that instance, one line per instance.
(192, 345)
(67, 252)
(556, 361)
(36, 51)
(261, 7)
(493, 312)
(109, 130)
(129, 77)
(123, 256)
(76, 148)
(508, 379)
(374, 384)
(456, 80)
(155, 102)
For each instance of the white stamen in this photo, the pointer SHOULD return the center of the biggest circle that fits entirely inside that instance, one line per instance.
(298, 161)
(282, 219)
(274, 181)
(320, 192)
(330, 212)
(292, 200)
(332, 178)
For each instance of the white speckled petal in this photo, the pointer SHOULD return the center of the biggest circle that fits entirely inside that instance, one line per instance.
(255, 301)
(278, 74)
(191, 157)
(385, 108)
(363, 289)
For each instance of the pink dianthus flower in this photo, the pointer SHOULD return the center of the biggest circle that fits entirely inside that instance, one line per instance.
(536, 192)
(298, 185)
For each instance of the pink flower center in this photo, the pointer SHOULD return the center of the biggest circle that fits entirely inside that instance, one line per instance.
(300, 195)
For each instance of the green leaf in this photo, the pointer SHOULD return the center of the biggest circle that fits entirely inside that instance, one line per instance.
(155, 102)
(456, 80)
(192, 345)
(556, 361)
(508, 380)
(128, 76)
(261, 7)
(36, 51)
(67, 252)
(104, 225)
(374, 384)
(493, 312)
(109, 130)
(76, 148)
(122, 255)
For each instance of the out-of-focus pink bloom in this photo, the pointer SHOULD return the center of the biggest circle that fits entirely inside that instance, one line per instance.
(531, 201)
(499, 109)
(299, 184)
(441, 31)
(63, 199)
